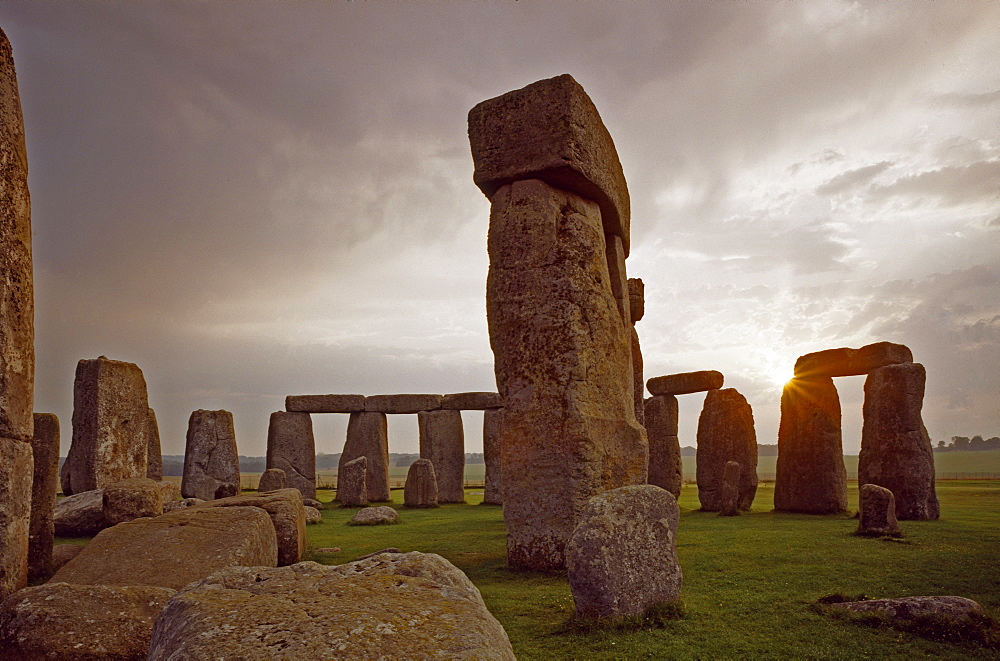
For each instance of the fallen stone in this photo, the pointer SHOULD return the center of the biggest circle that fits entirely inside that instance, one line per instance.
(472, 401)
(397, 606)
(15, 505)
(851, 362)
(493, 485)
(130, 499)
(665, 467)
(622, 557)
(368, 437)
(420, 489)
(63, 553)
(374, 516)
(730, 489)
(174, 549)
(330, 549)
(325, 403)
(442, 440)
(876, 511)
(271, 479)
(402, 403)
(951, 610)
(80, 622)
(154, 457)
(45, 455)
(169, 491)
(725, 433)
(351, 483)
(183, 503)
(391, 549)
(292, 448)
(80, 515)
(211, 460)
(288, 516)
(312, 502)
(313, 515)
(685, 383)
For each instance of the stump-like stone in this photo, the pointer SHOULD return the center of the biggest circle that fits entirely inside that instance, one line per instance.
(130, 499)
(110, 425)
(287, 512)
(811, 477)
(45, 453)
(947, 611)
(726, 433)
(622, 557)
(895, 447)
(368, 437)
(442, 440)
(154, 459)
(80, 515)
(325, 403)
(313, 516)
(170, 491)
(271, 479)
(665, 467)
(472, 401)
(16, 468)
(406, 403)
(851, 362)
(493, 488)
(685, 383)
(292, 448)
(730, 489)
(876, 511)
(211, 460)
(421, 488)
(638, 386)
(352, 490)
(374, 516)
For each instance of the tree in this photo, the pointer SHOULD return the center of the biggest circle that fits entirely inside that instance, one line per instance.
(959, 443)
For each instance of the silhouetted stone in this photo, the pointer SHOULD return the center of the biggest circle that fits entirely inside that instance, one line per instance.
(730, 489)
(271, 479)
(368, 436)
(636, 298)
(895, 447)
(665, 467)
(493, 485)
(374, 516)
(876, 511)
(622, 557)
(80, 515)
(325, 403)
(288, 516)
(851, 362)
(407, 403)
(292, 448)
(352, 490)
(45, 453)
(421, 485)
(130, 499)
(15, 511)
(811, 477)
(211, 460)
(725, 433)
(685, 383)
(637, 308)
(154, 458)
(472, 401)
(442, 440)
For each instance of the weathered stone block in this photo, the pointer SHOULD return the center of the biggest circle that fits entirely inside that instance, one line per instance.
(442, 440)
(292, 448)
(685, 383)
(45, 453)
(876, 511)
(63, 553)
(170, 491)
(493, 488)
(211, 460)
(665, 467)
(271, 479)
(615, 255)
(954, 612)
(421, 489)
(288, 516)
(851, 362)
(16, 468)
(408, 403)
(154, 459)
(725, 433)
(472, 401)
(636, 298)
(374, 516)
(730, 489)
(325, 403)
(352, 489)
(80, 515)
(130, 499)
(368, 437)
(638, 387)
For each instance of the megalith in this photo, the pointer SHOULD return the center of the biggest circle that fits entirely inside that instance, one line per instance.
(895, 447)
(16, 468)
(352, 488)
(851, 362)
(637, 308)
(493, 488)
(876, 511)
(810, 475)
(442, 440)
(730, 489)
(725, 433)
(211, 460)
(665, 467)
(421, 488)
(271, 479)
(292, 448)
(558, 237)
(685, 383)
(368, 436)
(45, 453)
(154, 459)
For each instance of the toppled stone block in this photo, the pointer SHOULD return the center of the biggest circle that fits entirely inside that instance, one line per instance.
(292, 448)
(725, 433)
(131, 499)
(472, 401)
(288, 516)
(374, 516)
(420, 489)
(80, 515)
(169, 491)
(408, 403)
(665, 467)
(368, 437)
(45, 454)
(211, 460)
(876, 511)
(442, 440)
(685, 383)
(15, 509)
(271, 479)
(351, 483)
(851, 362)
(325, 403)
(956, 611)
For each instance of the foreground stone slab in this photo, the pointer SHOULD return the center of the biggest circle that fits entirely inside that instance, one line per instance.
(665, 467)
(622, 557)
(949, 609)
(16, 469)
(421, 485)
(174, 549)
(154, 459)
(685, 383)
(211, 460)
(368, 436)
(45, 453)
(131, 499)
(408, 403)
(325, 403)
(876, 511)
(493, 485)
(442, 441)
(271, 479)
(374, 516)
(851, 362)
(80, 622)
(287, 512)
(80, 515)
(895, 447)
(472, 401)
(550, 130)
(292, 448)
(392, 605)
(352, 490)
(726, 433)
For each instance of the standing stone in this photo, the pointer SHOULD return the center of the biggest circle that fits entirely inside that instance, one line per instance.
(811, 477)
(730, 489)
(292, 448)
(64, 484)
(352, 490)
(154, 460)
(876, 511)
(726, 433)
(637, 308)
(442, 440)
(665, 467)
(368, 436)
(421, 485)
(493, 489)
(895, 447)
(211, 460)
(110, 424)
(272, 479)
(16, 468)
(45, 450)
(622, 557)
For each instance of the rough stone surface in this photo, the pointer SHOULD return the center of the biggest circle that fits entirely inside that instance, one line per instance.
(169, 491)
(421, 485)
(182, 504)
(110, 425)
(211, 460)
(288, 516)
(615, 256)
(562, 361)
(394, 606)
(665, 467)
(622, 557)
(637, 298)
(174, 549)
(130, 499)
(45, 453)
(851, 362)
(725, 433)
(638, 387)
(472, 401)
(374, 516)
(312, 502)
(292, 448)
(895, 447)
(325, 403)
(15, 511)
(271, 479)
(352, 490)
(402, 403)
(154, 458)
(63, 553)
(64, 485)
(876, 511)
(442, 440)
(685, 383)
(493, 490)
(313, 515)
(80, 622)
(730, 489)
(955, 610)
(550, 130)
(80, 515)
(17, 311)
(810, 474)
(368, 437)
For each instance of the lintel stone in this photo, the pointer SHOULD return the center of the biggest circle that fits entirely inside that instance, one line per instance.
(851, 362)
(685, 383)
(472, 401)
(325, 403)
(402, 403)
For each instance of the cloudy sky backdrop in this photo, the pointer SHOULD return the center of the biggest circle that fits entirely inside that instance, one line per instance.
(259, 199)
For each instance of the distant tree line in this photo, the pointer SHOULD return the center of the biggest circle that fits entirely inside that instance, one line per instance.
(966, 444)
(762, 451)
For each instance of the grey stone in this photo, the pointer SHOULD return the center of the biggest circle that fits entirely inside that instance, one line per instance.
(271, 479)
(312, 502)
(407, 403)
(130, 499)
(876, 511)
(211, 460)
(16, 469)
(442, 440)
(725, 433)
(493, 488)
(352, 490)
(374, 516)
(730, 489)
(685, 383)
(288, 517)
(368, 436)
(45, 453)
(421, 485)
(325, 403)
(952, 610)
(80, 515)
(292, 448)
(313, 516)
(154, 459)
(851, 362)
(472, 401)
(665, 467)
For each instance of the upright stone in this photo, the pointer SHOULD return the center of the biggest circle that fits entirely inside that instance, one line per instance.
(154, 460)
(15, 513)
(211, 460)
(665, 467)
(811, 477)
(493, 490)
(442, 440)
(272, 479)
(110, 424)
(368, 436)
(895, 447)
(726, 433)
(730, 489)
(421, 485)
(876, 511)
(45, 450)
(637, 308)
(352, 489)
(292, 448)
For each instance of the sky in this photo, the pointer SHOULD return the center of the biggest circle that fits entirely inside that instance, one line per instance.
(263, 199)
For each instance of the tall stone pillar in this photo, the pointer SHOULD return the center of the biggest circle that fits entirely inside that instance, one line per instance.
(45, 449)
(726, 433)
(292, 448)
(442, 441)
(557, 307)
(493, 490)
(665, 467)
(637, 308)
(895, 447)
(154, 457)
(368, 436)
(211, 459)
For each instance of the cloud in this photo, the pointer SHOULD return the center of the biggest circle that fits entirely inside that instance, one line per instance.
(952, 185)
(853, 178)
